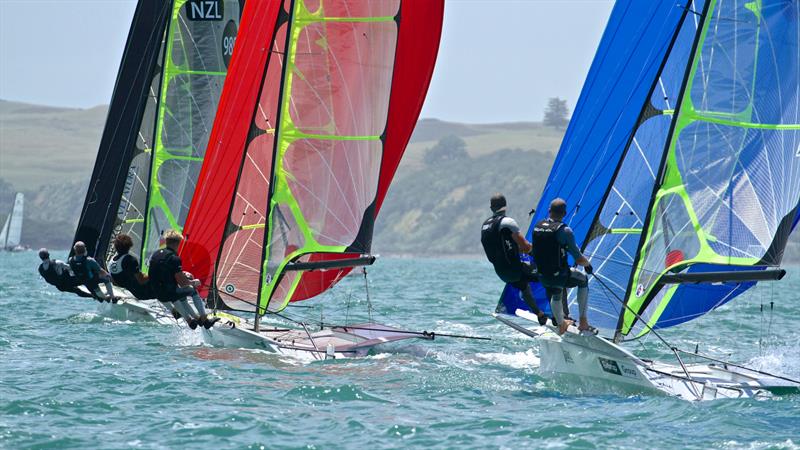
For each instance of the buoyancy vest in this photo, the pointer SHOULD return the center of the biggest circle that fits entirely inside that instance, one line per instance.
(162, 274)
(50, 275)
(548, 254)
(116, 268)
(501, 249)
(80, 267)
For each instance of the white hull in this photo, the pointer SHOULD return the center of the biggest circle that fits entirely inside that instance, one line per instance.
(593, 358)
(129, 308)
(337, 342)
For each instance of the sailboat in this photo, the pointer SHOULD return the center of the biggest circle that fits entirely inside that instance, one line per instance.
(11, 234)
(306, 141)
(157, 130)
(681, 168)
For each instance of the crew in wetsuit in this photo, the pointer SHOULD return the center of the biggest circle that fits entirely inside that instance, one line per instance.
(172, 285)
(503, 243)
(552, 240)
(124, 269)
(58, 273)
(90, 274)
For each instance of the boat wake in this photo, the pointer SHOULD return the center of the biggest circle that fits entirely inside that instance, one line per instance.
(783, 359)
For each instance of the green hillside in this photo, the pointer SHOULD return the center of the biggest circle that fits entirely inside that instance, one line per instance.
(431, 209)
(41, 145)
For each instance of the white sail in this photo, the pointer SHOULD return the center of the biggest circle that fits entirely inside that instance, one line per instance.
(15, 222)
(4, 233)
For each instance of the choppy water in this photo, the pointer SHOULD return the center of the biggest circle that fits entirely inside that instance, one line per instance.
(72, 379)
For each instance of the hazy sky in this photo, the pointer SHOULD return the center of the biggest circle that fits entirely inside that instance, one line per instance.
(499, 59)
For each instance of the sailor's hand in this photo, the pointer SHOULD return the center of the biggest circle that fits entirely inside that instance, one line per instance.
(195, 283)
(188, 275)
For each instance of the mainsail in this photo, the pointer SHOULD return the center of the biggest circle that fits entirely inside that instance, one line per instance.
(150, 90)
(699, 174)
(305, 144)
(11, 235)
(113, 200)
(198, 46)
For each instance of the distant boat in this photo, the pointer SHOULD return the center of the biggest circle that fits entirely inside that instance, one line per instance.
(12, 229)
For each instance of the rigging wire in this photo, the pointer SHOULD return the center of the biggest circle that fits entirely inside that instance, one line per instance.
(677, 350)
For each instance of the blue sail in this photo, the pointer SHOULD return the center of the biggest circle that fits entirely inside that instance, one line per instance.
(637, 40)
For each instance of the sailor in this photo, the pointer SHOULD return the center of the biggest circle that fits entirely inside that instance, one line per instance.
(125, 272)
(552, 240)
(58, 273)
(172, 285)
(503, 243)
(90, 274)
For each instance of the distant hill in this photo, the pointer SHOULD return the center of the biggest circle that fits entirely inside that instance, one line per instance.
(430, 209)
(42, 145)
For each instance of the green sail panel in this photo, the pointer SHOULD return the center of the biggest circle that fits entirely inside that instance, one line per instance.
(199, 45)
(730, 183)
(334, 109)
(131, 211)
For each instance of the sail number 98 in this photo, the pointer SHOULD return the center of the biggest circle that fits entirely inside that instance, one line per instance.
(227, 45)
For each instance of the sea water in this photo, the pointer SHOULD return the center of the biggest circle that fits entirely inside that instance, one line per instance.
(70, 378)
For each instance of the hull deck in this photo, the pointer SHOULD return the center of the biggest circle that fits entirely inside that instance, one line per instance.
(597, 359)
(357, 340)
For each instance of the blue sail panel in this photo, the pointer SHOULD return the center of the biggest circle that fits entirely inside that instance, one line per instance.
(619, 84)
(624, 69)
(691, 301)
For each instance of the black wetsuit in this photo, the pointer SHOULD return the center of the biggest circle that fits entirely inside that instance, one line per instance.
(164, 264)
(57, 275)
(503, 252)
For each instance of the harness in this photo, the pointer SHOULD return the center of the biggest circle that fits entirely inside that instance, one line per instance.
(81, 269)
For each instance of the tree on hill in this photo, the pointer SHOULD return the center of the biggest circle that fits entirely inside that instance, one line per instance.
(555, 115)
(448, 149)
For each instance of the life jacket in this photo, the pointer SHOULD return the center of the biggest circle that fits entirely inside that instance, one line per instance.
(80, 267)
(50, 275)
(162, 276)
(548, 254)
(118, 273)
(501, 249)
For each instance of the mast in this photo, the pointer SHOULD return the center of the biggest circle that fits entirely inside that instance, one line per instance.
(121, 132)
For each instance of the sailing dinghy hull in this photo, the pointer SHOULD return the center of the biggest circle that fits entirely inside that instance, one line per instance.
(596, 359)
(336, 342)
(131, 309)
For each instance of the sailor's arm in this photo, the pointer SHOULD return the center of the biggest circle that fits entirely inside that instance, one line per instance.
(141, 278)
(573, 249)
(182, 279)
(524, 245)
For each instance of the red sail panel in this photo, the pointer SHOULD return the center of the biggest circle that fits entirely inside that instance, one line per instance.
(417, 47)
(208, 216)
